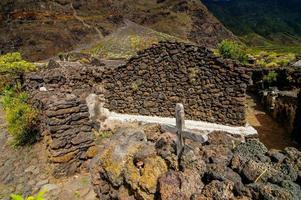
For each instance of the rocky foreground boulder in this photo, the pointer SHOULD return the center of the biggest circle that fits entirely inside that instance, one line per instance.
(142, 164)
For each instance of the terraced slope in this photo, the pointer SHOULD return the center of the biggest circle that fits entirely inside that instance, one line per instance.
(41, 29)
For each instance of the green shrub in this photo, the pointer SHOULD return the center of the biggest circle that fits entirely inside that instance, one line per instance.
(39, 196)
(12, 63)
(103, 134)
(270, 59)
(271, 65)
(84, 61)
(233, 50)
(12, 68)
(271, 77)
(20, 116)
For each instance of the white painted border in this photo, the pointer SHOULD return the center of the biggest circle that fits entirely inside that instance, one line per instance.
(189, 124)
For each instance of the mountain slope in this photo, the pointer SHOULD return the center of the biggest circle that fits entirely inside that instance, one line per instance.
(128, 40)
(276, 21)
(43, 28)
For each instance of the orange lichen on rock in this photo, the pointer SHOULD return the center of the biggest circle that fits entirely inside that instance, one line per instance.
(153, 169)
(144, 181)
(91, 152)
(114, 161)
(65, 158)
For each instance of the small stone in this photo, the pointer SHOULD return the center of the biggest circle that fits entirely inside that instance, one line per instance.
(32, 169)
(31, 182)
(52, 64)
(42, 183)
(64, 158)
(50, 187)
(276, 155)
(43, 89)
(91, 152)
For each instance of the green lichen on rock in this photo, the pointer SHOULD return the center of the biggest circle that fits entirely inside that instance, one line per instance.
(114, 163)
(153, 169)
(129, 160)
(144, 181)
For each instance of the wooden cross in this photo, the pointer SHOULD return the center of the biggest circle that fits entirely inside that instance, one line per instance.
(180, 124)
(182, 133)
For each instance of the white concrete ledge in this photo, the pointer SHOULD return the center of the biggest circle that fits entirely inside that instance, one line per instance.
(189, 124)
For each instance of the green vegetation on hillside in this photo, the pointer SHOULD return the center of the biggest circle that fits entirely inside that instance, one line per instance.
(268, 25)
(12, 68)
(270, 78)
(269, 59)
(20, 116)
(39, 196)
(233, 50)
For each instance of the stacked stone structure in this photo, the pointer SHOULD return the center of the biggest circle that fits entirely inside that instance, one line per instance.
(151, 83)
(288, 78)
(297, 124)
(282, 106)
(60, 95)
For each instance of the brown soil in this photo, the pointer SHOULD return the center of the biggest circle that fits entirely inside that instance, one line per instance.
(271, 133)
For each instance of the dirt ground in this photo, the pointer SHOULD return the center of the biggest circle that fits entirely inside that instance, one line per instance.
(272, 134)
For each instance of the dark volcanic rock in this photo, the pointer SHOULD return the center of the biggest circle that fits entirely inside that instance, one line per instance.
(180, 185)
(253, 173)
(52, 64)
(216, 190)
(210, 88)
(68, 129)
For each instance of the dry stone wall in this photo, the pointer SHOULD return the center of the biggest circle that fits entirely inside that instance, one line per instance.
(288, 78)
(282, 106)
(151, 83)
(66, 77)
(297, 124)
(60, 95)
(67, 129)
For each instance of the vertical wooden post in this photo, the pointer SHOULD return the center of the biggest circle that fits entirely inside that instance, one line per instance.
(180, 123)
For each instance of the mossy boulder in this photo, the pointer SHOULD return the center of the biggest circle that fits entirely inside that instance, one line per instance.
(129, 160)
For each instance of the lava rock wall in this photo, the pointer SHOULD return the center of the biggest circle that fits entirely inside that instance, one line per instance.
(151, 83)
(297, 124)
(288, 78)
(282, 106)
(67, 130)
(59, 93)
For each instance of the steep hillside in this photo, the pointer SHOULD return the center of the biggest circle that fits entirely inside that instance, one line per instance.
(40, 28)
(260, 22)
(127, 40)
